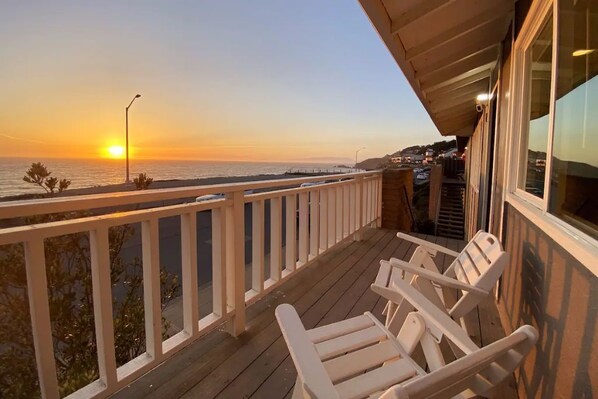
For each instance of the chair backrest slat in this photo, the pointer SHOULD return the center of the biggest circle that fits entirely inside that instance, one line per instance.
(461, 272)
(480, 264)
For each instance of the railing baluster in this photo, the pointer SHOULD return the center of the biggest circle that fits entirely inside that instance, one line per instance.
(323, 220)
(369, 208)
(339, 213)
(291, 232)
(151, 288)
(358, 208)
(219, 262)
(257, 246)
(99, 247)
(275, 238)
(314, 223)
(346, 211)
(235, 260)
(374, 199)
(189, 272)
(303, 227)
(352, 208)
(37, 290)
(379, 201)
(331, 217)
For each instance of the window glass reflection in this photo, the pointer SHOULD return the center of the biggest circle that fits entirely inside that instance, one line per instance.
(539, 58)
(574, 177)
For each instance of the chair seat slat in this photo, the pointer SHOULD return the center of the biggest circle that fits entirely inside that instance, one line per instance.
(361, 360)
(344, 327)
(375, 380)
(350, 342)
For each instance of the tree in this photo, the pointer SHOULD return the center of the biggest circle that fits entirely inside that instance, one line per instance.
(68, 266)
(143, 181)
(39, 175)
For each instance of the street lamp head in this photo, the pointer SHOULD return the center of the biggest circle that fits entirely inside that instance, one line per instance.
(138, 95)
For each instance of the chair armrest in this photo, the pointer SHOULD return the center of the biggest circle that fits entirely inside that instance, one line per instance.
(309, 366)
(428, 244)
(436, 277)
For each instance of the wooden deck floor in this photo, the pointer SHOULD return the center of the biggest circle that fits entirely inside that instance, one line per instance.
(258, 365)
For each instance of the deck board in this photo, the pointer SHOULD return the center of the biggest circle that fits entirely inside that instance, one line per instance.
(257, 364)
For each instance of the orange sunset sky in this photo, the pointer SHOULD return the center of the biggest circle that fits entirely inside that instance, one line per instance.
(234, 80)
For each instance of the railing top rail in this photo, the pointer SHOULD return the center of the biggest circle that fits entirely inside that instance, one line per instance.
(12, 209)
(13, 235)
(297, 190)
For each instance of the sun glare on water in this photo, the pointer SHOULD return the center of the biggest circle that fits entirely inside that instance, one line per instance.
(116, 151)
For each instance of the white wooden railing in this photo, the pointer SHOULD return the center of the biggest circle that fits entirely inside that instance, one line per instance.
(326, 214)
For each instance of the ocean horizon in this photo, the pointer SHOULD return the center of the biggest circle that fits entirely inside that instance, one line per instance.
(85, 173)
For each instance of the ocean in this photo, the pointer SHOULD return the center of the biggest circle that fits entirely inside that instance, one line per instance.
(100, 172)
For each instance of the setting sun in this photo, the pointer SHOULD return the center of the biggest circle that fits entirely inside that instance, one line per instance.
(116, 151)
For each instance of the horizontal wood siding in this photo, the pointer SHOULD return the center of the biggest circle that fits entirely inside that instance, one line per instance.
(546, 287)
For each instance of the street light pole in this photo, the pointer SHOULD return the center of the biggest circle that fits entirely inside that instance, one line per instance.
(127, 180)
(356, 152)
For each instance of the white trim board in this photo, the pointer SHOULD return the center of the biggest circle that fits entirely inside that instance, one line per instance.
(577, 244)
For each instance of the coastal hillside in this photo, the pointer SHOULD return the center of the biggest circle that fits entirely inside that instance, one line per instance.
(381, 162)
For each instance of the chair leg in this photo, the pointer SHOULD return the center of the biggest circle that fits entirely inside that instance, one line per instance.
(389, 311)
(411, 332)
(398, 317)
(298, 389)
(432, 352)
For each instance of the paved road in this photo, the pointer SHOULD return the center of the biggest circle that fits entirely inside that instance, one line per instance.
(170, 242)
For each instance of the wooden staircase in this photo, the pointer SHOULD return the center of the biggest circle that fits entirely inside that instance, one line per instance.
(451, 216)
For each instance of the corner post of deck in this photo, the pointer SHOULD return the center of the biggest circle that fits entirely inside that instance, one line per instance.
(358, 208)
(235, 261)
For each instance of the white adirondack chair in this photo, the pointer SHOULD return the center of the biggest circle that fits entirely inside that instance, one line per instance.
(474, 273)
(359, 357)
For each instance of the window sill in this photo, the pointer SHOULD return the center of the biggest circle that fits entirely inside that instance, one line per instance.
(581, 246)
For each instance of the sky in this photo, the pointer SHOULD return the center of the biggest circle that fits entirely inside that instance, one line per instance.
(265, 80)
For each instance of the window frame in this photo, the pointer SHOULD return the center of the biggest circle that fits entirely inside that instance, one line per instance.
(531, 28)
(578, 243)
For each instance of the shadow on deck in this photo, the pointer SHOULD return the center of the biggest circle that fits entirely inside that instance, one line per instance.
(258, 365)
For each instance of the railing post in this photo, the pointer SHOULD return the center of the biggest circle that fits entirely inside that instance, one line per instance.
(189, 272)
(358, 208)
(37, 291)
(102, 304)
(151, 288)
(219, 277)
(235, 261)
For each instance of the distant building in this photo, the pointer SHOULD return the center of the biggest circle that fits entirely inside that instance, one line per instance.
(429, 157)
(412, 158)
(449, 154)
(395, 159)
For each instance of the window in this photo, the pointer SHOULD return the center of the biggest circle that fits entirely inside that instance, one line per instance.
(535, 141)
(574, 174)
(555, 114)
